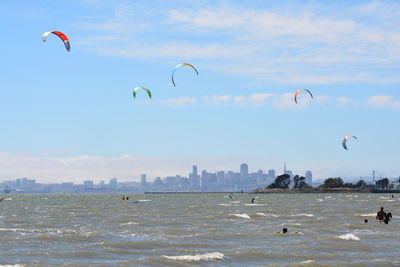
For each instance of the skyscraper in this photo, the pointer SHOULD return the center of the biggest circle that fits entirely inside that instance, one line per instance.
(194, 179)
(309, 177)
(113, 183)
(143, 180)
(244, 173)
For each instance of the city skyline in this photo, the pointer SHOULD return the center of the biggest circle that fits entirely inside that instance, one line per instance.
(68, 115)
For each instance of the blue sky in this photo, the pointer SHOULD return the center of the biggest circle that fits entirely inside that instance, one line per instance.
(71, 116)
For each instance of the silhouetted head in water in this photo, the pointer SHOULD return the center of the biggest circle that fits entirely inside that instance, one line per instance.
(252, 200)
(284, 230)
(366, 220)
(388, 217)
(381, 208)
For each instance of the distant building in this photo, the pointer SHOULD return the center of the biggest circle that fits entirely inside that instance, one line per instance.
(67, 187)
(88, 184)
(271, 175)
(113, 183)
(194, 179)
(143, 181)
(309, 180)
(244, 173)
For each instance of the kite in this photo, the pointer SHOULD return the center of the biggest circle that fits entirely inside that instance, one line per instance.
(298, 91)
(344, 142)
(180, 65)
(141, 88)
(62, 36)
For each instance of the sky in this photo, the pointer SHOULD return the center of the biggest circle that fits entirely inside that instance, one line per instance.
(71, 116)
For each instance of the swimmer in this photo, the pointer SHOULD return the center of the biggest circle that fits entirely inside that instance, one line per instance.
(284, 231)
(253, 200)
(127, 198)
(380, 216)
(366, 220)
(123, 197)
(388, 217)
(230, 195)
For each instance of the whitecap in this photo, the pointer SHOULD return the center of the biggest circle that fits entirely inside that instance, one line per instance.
(307, 262)
(244, 215)
(198, 257)
(303, 214)
(130, 223)
(12, 265)
(320, 199)
(235, 202)
(260, 214)
(144, 200)
(224, 204)
(254, 204)
(366, 215)
(348, 237)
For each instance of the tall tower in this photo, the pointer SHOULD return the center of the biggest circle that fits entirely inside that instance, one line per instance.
(194, 170)
(244, 173)
(373, 176)
(284, 168)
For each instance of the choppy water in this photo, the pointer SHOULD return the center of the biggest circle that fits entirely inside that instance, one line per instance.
(198, 230)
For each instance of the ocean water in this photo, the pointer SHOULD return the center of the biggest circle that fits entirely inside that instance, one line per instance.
(198, 230)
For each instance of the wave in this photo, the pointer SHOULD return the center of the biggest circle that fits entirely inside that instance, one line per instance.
(198, 257)
(235, 202)
(303, 214)
(307, 262)
(320, 199)
(348, 237)
(255, 204)
(244, 215)
(366, 215)
(260, 214)
(130, 223)
(224, 204)
(12, 265)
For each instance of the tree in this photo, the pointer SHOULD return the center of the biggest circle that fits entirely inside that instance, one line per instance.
(383, 183)
(299, 181)
(282, 181)
(360, 184)
(332, 183)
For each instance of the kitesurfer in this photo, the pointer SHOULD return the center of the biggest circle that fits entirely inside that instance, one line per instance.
(381, 215)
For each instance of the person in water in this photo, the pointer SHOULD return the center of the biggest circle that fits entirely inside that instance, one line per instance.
(127, 198)
(388, 217)
(366, 220)
(230, 195)
(380, 216)
(253, 200)
(123, 197)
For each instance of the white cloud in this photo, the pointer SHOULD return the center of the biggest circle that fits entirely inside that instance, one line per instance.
(295, 44)
(259, 99)
(383, 101)
(179, 101)
(342, 100)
